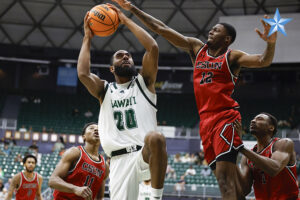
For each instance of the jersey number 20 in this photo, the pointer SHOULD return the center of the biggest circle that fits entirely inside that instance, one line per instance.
(130, 119)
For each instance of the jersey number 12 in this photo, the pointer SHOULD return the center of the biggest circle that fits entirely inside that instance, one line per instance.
(206, 77)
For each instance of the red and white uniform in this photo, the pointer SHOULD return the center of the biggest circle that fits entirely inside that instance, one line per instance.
(27, 189)
(213, 87)
(87, 172)
(281, 187)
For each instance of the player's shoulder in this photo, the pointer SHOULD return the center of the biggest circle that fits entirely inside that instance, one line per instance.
(283, 144)
(71, 153)
(235, 53)
(16, 178)
(40, 177)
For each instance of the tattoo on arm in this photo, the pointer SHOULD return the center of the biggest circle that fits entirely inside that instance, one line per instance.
(146, 18)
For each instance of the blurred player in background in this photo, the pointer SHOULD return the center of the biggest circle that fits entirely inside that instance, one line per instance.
(216, 69)
(271, 165)
(127, 120)
(27, 185)
(81, 172)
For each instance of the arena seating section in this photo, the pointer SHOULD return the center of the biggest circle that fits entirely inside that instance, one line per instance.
(49, 161)
(45, 167)
(55, 111)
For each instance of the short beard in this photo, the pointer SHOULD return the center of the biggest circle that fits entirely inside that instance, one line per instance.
(125, 71)
(252, 132)
(30, 171)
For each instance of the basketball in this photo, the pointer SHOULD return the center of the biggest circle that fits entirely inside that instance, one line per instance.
(104, 21)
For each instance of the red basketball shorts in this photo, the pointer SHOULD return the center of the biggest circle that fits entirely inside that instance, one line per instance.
(218, 135)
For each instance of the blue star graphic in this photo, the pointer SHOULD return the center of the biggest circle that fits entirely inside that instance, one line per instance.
(277, 23)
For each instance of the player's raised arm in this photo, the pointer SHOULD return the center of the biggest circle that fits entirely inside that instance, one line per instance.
(188, 44)
(150, 59)
(92, 82)
(13, 186)
(39, 191)
(68, 160)
(257, 60)
(283, 151)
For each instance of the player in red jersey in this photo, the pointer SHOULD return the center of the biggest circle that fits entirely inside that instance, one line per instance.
(81, 172)
(27, 184)
(216, 69)
(271, 165)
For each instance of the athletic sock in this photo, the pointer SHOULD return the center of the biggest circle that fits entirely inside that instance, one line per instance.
(156, 194)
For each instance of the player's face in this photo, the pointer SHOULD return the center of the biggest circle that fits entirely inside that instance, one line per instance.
(123, 64)
(91, 134)
(30, 165)
(260, 125)
(217, 35)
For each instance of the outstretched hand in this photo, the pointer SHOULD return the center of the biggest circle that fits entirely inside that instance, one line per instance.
(87, 31)
(272, 38)
(126, 5)
(122, 16)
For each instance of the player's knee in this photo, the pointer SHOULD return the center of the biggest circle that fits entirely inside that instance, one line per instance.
(226, 184)
(156, 140)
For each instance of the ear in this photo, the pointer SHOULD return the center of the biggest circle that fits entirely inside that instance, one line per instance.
(271, 128)
(83, 137)
(112, 69)
(228, 39)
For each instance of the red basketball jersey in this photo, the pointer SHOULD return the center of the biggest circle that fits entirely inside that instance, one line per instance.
(87, 172)
(27, 189)
(213, 82)
(281, 187)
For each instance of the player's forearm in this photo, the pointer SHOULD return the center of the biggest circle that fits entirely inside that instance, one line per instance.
(268, 55)
(40, 197)
(60, 185)
(83, 65)
(9, 196)
(269, 166)
(245, 182)
(152, 23)
(143, 36)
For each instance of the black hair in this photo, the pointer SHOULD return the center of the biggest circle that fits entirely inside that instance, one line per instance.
(29, 156)
(85, 127)
(230, 31)
(273, 121)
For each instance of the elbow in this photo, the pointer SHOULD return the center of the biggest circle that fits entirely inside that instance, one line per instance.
(274, 171)
(266, 64)
(154, 47)
(82, 76)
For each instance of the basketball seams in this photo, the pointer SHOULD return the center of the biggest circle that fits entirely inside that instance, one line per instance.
(109, 27)
(100, 26)
(100, 21)
(106, 14)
